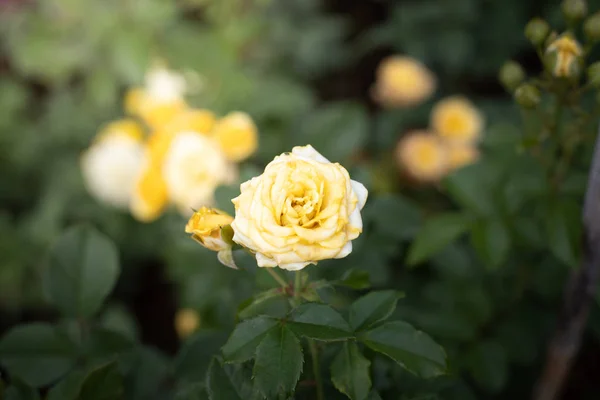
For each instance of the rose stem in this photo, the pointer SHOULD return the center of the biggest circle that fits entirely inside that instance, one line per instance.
(316, 370)
(297, 284)
(276, 276)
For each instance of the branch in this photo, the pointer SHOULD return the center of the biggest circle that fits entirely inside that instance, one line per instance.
(578, 294)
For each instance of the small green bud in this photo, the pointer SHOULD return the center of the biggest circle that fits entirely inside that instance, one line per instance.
(574, 10)
(511, 75)
(593, 73)
(536, 31)
(591, 27)
(527, 95)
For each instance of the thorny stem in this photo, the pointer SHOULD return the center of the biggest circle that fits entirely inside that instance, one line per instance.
(314, 354)
(276, 276)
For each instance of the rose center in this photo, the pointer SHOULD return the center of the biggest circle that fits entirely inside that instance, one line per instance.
(302, 204)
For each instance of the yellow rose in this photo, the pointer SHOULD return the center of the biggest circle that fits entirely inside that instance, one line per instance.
(149, 197)
(208, 226)
(237, 136)
(187, 321)
(121, 128)
(456, 120)
(302, 209)
(403, 82)
(201, 121)
(564, 54)
(422, 155)
(161, 98)
(110, 167)
(460, 156)
(193, 168)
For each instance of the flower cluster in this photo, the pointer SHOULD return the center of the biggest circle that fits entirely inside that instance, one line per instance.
(301, 210)
(449, 143)
(167, 152)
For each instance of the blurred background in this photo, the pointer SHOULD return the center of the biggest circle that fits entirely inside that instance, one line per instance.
(305, 71)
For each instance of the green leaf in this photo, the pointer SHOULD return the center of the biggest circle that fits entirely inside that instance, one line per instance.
(103, 383)
(372, 308)
(36, 353)
(437, 233)
(82, 271)
(246, 336)
(68, 388)
(196, 354)
(272, 302)
(350, 372)
(410, 348)
(355, 279)
(219, 385)
(491, 240)
(19, 391)
(104, 345)
(319, 321)
(278, 363)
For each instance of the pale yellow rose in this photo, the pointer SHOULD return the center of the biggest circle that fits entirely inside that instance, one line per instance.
(211, 228)
(194, 166)
(456, 120)
(422, 155)
(460, 156)
(110, 167)
(302, 209)
(237, 135)
(403, 82)
(160, 99)
(187, 321)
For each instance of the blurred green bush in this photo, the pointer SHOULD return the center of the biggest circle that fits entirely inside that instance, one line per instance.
(302, 69)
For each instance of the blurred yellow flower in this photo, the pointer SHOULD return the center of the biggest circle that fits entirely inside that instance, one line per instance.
(187, 321)
(121, 128)
(193, 120)
(423, 156)
(206, 227)
(456, 120)
(462, 155)
(110, 167)
(149, 197)
(237, 135)
(160, 99)
(194, 166)
(403, 82)
(564, 53)
(301, 210)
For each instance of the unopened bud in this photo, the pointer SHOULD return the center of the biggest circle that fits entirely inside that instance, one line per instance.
(593, 73)
(591, 27)
(574, 10)
(536, 31)
(511, 75)
(527, 96)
